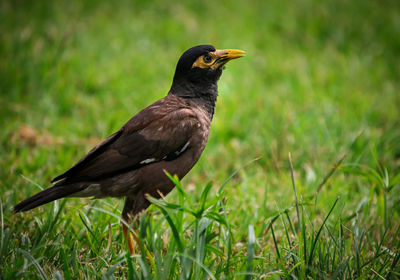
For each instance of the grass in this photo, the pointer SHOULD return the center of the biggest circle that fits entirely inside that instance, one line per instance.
(320, 81)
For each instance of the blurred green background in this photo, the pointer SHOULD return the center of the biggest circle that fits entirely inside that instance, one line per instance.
(317, 74)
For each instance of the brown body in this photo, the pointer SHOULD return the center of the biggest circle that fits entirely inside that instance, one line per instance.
(188, 126)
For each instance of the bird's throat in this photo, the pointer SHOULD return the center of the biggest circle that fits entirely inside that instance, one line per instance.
(203, 94)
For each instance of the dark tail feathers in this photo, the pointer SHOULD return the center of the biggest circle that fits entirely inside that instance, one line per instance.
(46, 196)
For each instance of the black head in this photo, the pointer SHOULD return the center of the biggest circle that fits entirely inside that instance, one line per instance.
(185, 62)
(198, 71)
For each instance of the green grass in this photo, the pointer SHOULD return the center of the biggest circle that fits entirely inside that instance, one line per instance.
(320, 80)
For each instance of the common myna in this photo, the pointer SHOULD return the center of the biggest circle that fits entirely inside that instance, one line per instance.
(168, 135)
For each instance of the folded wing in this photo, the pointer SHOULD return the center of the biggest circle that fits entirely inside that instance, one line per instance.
(142, 141)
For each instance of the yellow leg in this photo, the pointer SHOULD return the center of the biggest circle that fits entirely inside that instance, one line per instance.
(129, 239)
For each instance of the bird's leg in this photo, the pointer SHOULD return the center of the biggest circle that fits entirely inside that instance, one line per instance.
(127, 215)
(128, 237)
(133, 206)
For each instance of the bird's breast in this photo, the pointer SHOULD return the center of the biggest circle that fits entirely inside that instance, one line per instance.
(153, 176)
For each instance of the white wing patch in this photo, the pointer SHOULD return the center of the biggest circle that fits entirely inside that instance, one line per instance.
(183, 149)
(149, 160)
(176, 153)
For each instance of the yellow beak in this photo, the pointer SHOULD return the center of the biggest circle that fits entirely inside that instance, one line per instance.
(232, 54)
(223, 56)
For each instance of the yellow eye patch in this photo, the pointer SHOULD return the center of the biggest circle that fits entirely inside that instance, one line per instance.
(205, 61)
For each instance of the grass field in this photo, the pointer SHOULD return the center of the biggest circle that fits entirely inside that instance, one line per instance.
(321, 80)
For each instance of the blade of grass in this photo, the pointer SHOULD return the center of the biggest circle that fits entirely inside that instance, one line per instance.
(294, 189)
(331, 172)
(86, 222)
(289, 241)
(67, 273)
(275, 243)
(178, 185)
(57, 215)
(204, 195)
(338, 163)
(303, 236)
(396, 258)
(35, 263)
(110, 271)
(319, 232)
(210, 274)
(250, 252)
(299, 221)
(234, 173)
(175, 232)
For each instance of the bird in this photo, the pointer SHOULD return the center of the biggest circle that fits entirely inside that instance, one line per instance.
(168, 136)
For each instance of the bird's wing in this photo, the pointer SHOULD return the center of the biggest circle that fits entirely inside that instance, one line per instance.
(164, 137)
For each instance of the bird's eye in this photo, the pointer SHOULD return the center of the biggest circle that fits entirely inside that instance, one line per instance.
(207, 58)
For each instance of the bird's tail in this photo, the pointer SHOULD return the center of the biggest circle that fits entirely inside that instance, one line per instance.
(53, 193)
